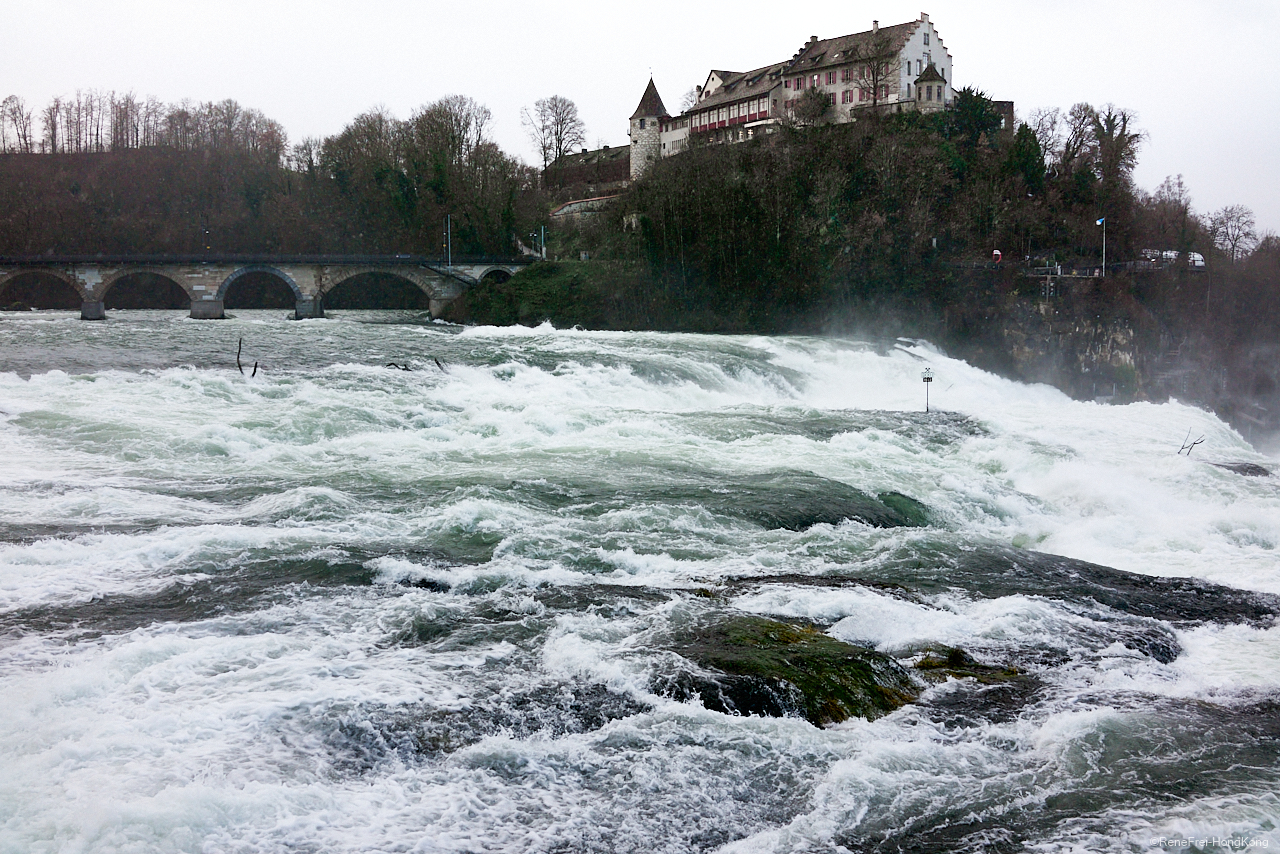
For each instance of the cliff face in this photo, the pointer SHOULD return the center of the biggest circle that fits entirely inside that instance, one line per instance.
(1087, 337)
(1094, 340)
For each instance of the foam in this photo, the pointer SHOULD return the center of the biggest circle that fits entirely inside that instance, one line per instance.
(274, 728)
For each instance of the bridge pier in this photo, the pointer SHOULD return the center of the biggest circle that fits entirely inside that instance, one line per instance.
(90, 310)
(207, 309)
(308, 308)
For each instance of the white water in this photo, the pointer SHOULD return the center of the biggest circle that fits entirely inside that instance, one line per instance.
(262, 718)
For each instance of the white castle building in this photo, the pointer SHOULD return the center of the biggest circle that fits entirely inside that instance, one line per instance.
(905, 66)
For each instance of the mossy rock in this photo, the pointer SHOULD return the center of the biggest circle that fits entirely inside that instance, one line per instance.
(775, 668)
(949, 662)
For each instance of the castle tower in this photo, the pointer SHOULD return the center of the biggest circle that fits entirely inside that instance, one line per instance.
(931, 90)
(646, 131)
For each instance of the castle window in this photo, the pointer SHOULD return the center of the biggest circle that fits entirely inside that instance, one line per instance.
(831, 77)
(928, 93)
(926, 36)
(787, 83)
(642, 124)
(832, 97)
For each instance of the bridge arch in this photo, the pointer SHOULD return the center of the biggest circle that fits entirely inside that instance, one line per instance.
(7, 279)
(495, 274)
(259, 268)
(110, 283)
(424, 287)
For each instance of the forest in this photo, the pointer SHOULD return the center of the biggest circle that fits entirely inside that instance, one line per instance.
(109, 174)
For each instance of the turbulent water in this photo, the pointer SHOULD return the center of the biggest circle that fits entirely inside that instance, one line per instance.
(345, 607)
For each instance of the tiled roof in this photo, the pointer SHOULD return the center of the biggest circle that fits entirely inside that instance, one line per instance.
(599, 155)
(740, 86)
(650, 103)
(843, 49)
(817, 53)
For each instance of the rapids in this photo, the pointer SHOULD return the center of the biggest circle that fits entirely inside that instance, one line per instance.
(344, 607)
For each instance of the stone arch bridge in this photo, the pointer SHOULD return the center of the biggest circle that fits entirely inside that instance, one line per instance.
(206, 279)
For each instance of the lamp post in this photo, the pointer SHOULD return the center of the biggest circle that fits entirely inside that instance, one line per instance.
(1102, 221)
(927, 376)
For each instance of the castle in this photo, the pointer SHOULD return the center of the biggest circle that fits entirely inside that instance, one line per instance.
(900, 67)
(905, 66)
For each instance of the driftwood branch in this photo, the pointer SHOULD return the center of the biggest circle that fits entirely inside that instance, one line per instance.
(1188, 445)
(239, 366)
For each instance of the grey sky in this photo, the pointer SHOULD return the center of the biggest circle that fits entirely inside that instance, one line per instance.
(1198, 74)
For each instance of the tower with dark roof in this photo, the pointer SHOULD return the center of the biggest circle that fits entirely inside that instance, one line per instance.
(931, 90)
(646, 130)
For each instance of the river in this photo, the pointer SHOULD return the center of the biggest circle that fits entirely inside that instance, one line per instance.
(342, 606)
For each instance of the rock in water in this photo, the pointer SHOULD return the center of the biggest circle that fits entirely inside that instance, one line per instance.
(775, 668)
(1246, 469)
(796, 501)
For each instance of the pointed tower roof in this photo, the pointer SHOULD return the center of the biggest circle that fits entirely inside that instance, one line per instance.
(930, 75)
(650, 104)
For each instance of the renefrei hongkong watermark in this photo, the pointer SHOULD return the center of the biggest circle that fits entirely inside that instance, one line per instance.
(1209, 843)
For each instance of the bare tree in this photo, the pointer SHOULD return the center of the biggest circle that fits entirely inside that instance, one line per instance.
(1233, 231)
(15, 115)
(452, 128)
(1171, 222)
(553, 127)
(690, 99)
(1076, 150)
(879, 63)
(1047, 124)
(51, 119)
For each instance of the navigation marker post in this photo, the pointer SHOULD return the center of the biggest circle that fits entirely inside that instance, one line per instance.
(1102, 221)
(927, 376)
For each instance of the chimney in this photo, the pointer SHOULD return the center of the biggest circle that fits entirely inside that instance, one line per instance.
(924, 17)
(584, 150)
(875, 26)
(813, 39)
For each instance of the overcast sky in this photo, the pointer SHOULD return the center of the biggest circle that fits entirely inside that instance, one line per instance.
(1201, 76)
